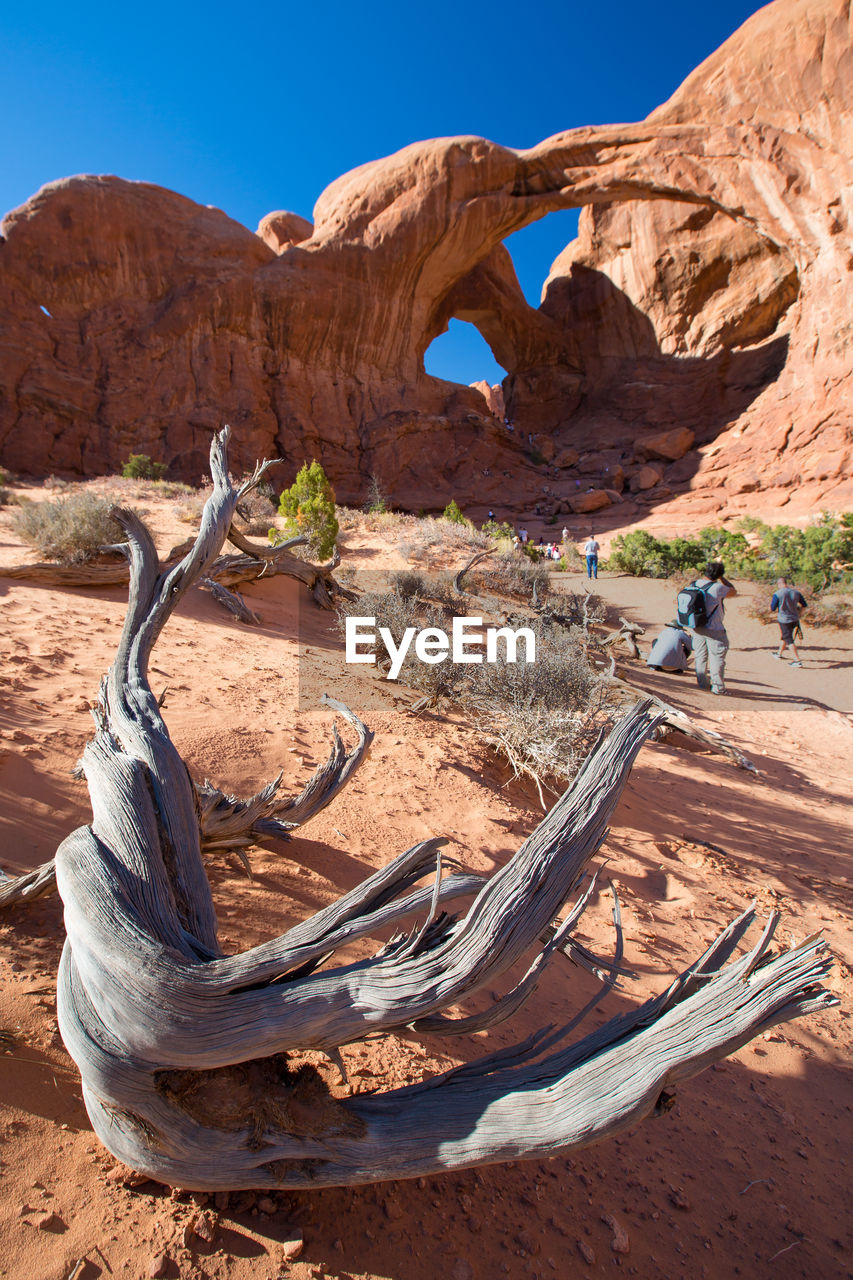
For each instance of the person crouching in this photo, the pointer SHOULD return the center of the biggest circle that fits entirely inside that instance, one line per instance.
(671, 650)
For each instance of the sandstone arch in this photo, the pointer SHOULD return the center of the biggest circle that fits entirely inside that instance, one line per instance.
(166, 318)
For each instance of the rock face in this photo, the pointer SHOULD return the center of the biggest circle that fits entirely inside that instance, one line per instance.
(708, 293)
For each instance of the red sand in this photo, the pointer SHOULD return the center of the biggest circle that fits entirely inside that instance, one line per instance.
(744, 1176)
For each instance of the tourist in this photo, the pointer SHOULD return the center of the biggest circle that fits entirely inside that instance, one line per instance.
(591, 550)
(710, 641)
(672, 649)
(522, 533)
(790, 604)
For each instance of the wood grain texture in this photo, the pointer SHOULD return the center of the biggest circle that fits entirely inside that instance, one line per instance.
(183, 1050)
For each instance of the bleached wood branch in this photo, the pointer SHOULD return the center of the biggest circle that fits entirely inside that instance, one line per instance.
(182, 1050)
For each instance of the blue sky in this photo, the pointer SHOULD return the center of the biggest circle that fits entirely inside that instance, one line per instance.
(256, 108)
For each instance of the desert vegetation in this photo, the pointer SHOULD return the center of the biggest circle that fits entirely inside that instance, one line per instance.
(308, 510)
(184, 1051)
(68, 530)
(819, 555)
(542, 716)
(139, 466)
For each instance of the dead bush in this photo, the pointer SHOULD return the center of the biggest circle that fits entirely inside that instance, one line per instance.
(436, 588)
(69, 530)
(256, 513)
(512, 574)
(409, 583)
(396, 612)
(829, 609)
(541, 716)
(834, 611)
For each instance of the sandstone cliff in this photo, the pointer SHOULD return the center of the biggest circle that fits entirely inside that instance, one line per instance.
(135, 320)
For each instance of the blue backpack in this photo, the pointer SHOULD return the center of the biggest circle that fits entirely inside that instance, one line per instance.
(694, 606)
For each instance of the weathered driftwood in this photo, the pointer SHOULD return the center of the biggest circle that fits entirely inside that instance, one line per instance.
(676, 727)
(29, 887)
(475, 559)
(232, 601)
(626, 635)
(182, 1050)
(227, 571)
(230, 824)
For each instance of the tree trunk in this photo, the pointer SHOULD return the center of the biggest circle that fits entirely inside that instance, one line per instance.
(182, 1050)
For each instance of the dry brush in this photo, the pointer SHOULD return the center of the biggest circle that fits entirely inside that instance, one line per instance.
(183, 1051)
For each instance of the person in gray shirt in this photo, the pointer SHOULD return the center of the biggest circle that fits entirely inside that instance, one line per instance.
(710, 641)
(672, 649)
(790, 603)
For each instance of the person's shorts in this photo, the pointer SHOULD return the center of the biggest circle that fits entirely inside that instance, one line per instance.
(788, 629)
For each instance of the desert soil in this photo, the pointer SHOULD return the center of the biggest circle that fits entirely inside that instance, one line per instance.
(746, 1175)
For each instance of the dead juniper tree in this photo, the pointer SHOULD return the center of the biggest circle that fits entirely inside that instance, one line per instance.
(183, 1050)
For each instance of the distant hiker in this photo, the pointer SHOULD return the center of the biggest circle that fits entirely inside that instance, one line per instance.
(790, 604)
(672, 649)
(700, 606)
(491, 513)
(522, 533)
(565, 534)
(591, 550)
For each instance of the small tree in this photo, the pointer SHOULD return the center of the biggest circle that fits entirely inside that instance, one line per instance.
(140, 467)
(308, 507)
(454, 513)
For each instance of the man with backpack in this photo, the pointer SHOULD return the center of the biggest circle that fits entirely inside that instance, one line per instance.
(790, 604)
(700, 606)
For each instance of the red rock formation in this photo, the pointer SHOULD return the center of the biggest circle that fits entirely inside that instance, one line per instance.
(282, 229)
(680, 315)
(727, 314)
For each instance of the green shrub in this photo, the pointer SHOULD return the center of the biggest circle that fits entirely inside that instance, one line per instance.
(70, 530)
(500, 531)
(140, 467)
(453, 513)
(819, 555)
(308, 507)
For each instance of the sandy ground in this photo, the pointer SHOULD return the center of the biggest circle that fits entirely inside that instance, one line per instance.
(747, 1175)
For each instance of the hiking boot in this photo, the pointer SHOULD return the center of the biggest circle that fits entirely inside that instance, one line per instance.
(796, 664)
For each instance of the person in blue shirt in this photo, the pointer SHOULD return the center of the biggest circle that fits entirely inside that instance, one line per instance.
(788, 604)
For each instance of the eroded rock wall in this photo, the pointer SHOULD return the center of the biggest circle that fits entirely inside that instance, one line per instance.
(135, 320)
